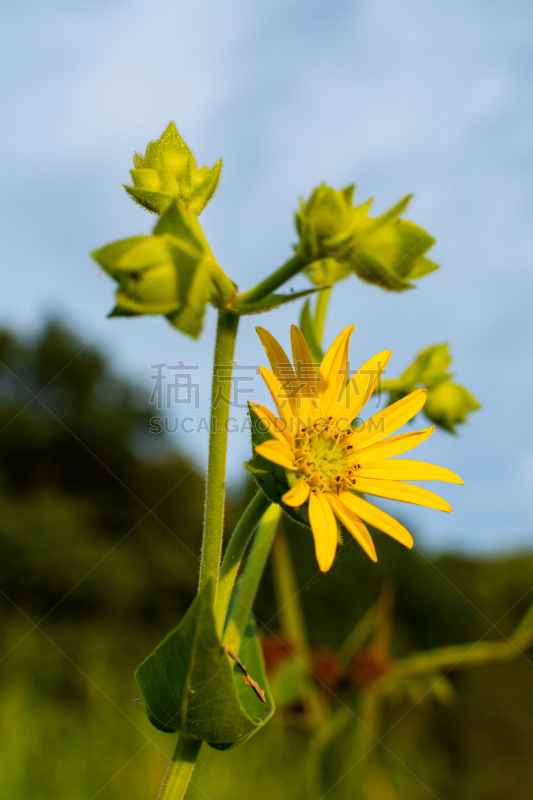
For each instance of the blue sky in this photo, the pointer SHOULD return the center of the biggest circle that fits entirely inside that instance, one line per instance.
(430, 98)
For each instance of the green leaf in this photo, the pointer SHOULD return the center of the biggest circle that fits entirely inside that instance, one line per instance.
(372, 270)
(172, 272)
(169, 171)
(423, 266)
(190, 684)
(307, 327)
(388, 250)
(269, 302)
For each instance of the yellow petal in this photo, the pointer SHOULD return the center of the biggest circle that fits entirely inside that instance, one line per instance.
(352, 523)
(324, 527)
(390, 419)
(280, 397)
(276, 452)
(307, 400)
(394, 490)
(394, 446)
(378, 518)
(405, 470)
(273, 425)
(297, 494)
(281, 366)
(327, 361)
(361, 387)
(334, 373)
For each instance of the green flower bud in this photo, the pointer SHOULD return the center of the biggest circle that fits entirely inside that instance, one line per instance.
(172, 272)
(448, 404)
(386, 250)
(429, 368)
(168, 171)
(324, 223)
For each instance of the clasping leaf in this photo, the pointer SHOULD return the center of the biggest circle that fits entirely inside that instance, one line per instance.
(191, 684)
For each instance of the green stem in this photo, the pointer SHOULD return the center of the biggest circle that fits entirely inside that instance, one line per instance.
(287, 271)
(218, 442)
(292, 622)
(291, 616)
(366, 739)
(180, 769)
(463, 656)
(360, 633)
(322, 302)
(234, 553)
(321, 740)
(251, 578)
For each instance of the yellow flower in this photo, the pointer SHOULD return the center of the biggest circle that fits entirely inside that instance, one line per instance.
(327, 463)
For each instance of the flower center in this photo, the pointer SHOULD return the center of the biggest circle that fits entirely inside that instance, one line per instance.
(324, 457)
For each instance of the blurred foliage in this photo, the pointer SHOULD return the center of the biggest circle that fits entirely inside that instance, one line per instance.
(98, 560)
(75, 489)
(448, 404)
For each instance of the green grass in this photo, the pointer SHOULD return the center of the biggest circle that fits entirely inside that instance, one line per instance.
(71, 730)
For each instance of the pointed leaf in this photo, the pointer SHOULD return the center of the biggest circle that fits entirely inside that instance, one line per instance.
(190, 684)
(270, 301)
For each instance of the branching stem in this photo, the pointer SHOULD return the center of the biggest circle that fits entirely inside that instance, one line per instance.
(287, 271)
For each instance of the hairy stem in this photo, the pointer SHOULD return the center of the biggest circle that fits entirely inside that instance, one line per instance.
(251, 578)
(180, 769)
(218, 442)
(287, 271)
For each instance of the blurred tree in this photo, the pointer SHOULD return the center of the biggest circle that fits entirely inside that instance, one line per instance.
(69, 428)
(102, 539)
